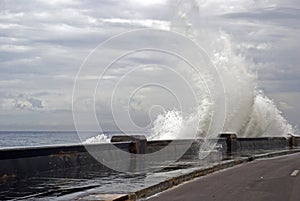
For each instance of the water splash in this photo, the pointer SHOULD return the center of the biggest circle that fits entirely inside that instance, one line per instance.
(167, 125)
(249, 112)
(101, 138)
(266, 119)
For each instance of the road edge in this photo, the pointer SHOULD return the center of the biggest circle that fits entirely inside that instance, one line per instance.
(174, 181)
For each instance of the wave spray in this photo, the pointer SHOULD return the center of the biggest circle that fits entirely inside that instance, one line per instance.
(249, 112)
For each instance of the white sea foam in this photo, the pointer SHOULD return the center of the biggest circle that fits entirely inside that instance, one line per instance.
(101, 138)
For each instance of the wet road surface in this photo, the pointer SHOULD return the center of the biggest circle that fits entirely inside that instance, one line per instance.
(276, 179)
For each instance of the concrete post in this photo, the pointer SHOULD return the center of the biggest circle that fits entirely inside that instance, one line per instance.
(231, 142)
(138, 145)
(138, 142)
(292, 141)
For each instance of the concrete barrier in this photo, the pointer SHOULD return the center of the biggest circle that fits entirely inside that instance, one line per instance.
(293, 140)
(264, 143)
(25, 162)
(235, 145)
(231, 142)
(54, 161)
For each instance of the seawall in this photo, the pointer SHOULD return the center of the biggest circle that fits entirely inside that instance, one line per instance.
(28, 162)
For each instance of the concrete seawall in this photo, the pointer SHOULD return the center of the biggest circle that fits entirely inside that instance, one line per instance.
(26, 162)
(64, 170)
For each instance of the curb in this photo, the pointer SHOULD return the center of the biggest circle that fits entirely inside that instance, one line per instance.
(167, 184)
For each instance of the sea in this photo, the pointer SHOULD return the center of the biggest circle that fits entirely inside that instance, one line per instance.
(13, 139)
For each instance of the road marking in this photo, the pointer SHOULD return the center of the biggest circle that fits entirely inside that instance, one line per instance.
(294, 173)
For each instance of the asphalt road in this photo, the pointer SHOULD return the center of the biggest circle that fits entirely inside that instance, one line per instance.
(275, 179)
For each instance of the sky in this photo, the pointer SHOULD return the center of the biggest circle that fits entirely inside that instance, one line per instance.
(44, 43)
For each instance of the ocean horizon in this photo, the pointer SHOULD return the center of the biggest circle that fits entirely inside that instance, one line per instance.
(13, 139)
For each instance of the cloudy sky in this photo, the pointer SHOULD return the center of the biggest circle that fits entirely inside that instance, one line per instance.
(44, 43)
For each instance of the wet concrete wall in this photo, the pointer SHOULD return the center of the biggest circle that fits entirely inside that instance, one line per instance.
(236, 145)
(28, 162)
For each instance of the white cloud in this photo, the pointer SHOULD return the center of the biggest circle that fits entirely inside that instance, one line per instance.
(14, 48)
(149, 23)
(44, 42)
(60, 2)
